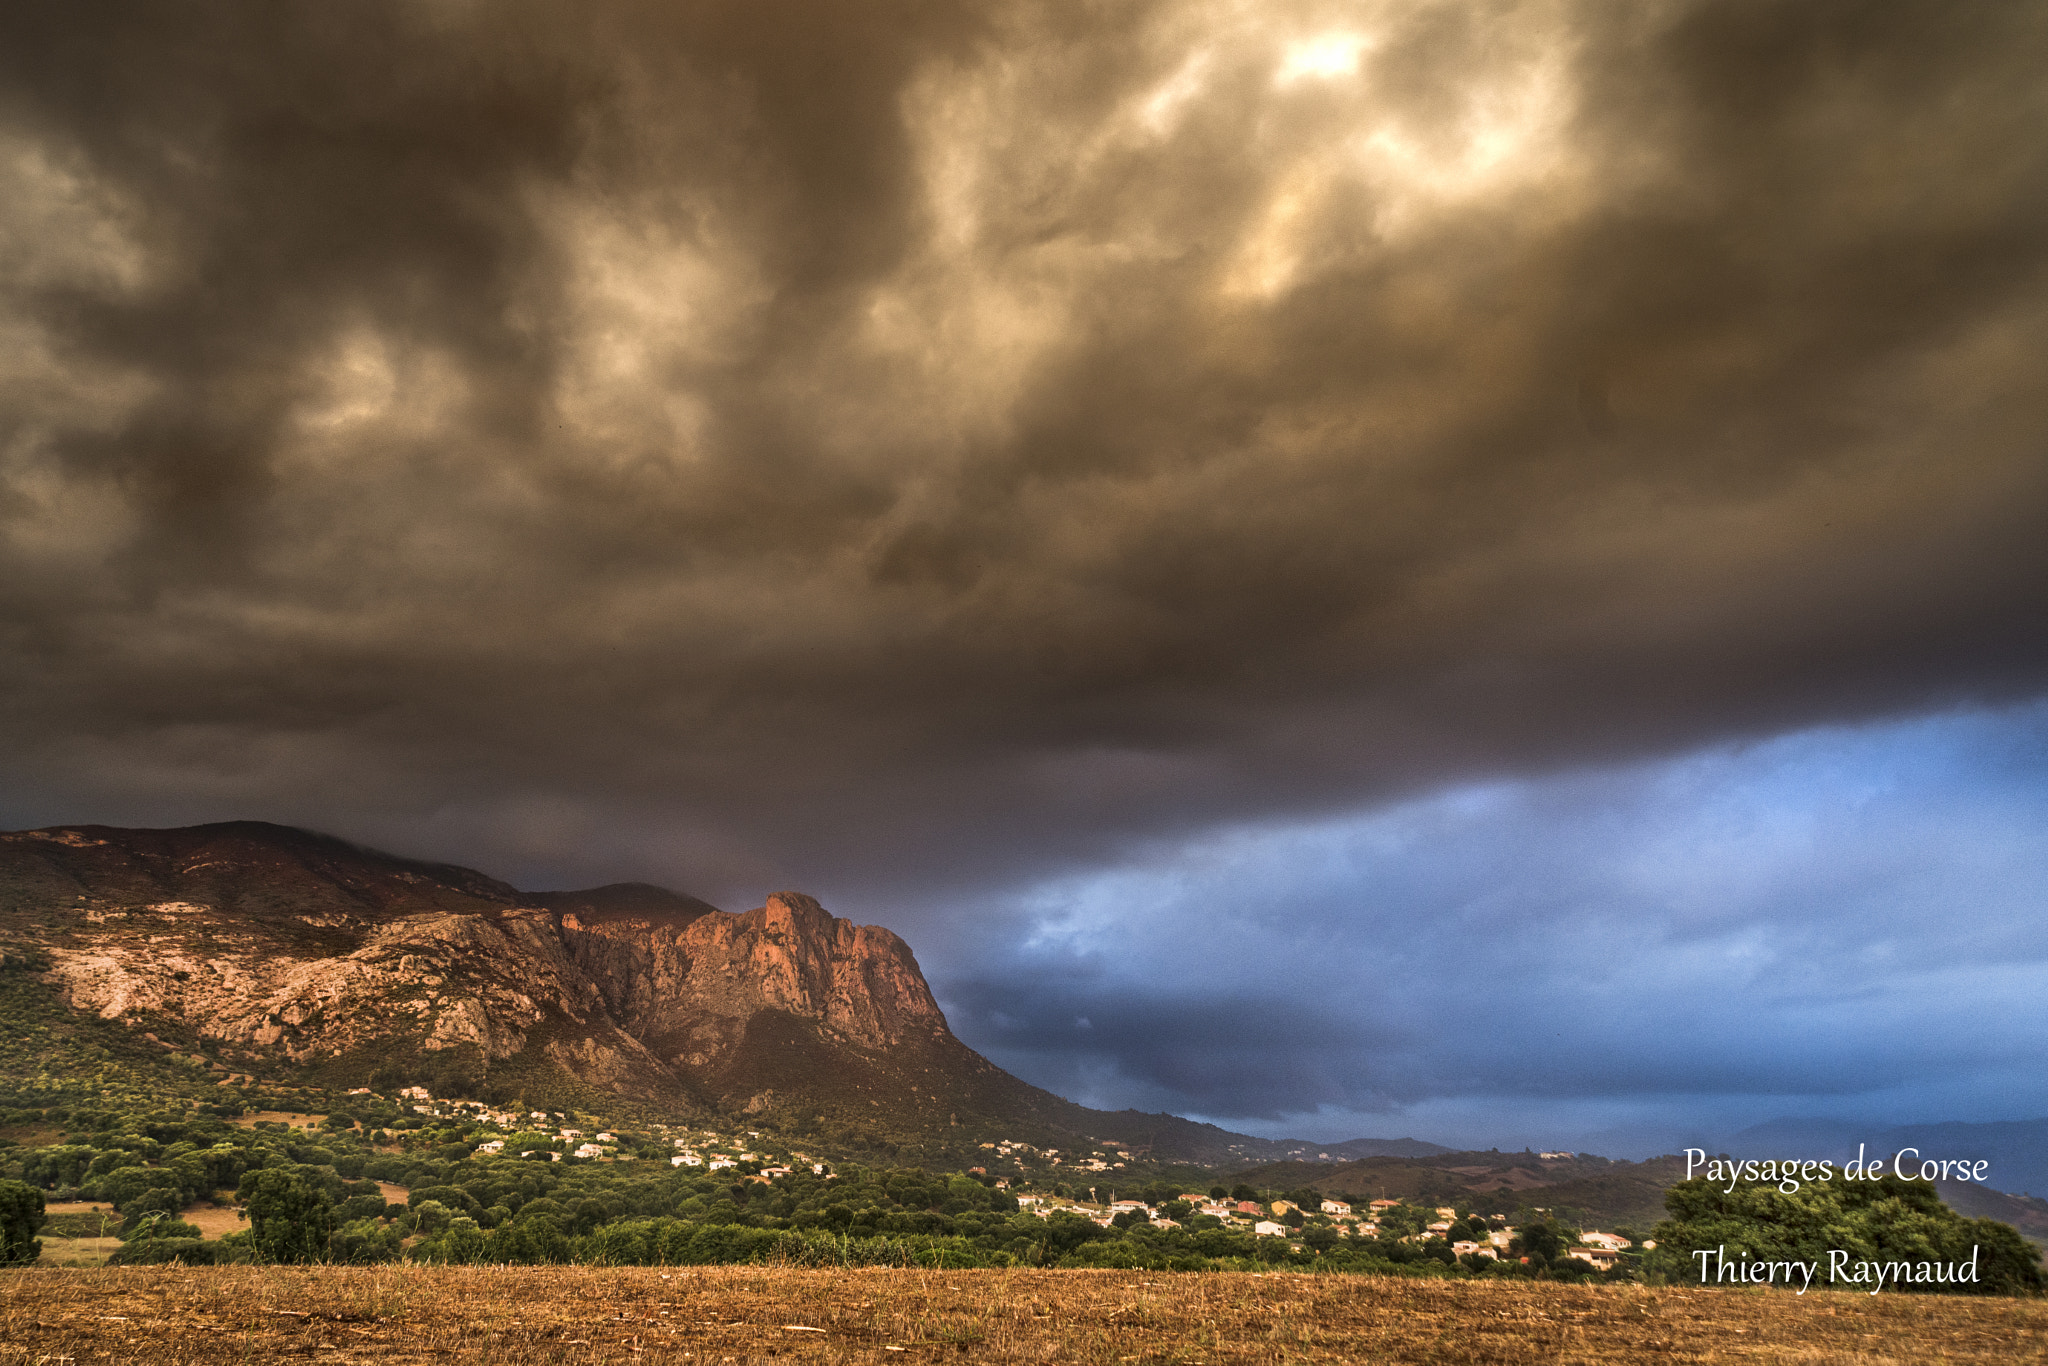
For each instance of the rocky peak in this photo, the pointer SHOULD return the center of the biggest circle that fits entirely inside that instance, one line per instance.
(688, 991)
(307, 947)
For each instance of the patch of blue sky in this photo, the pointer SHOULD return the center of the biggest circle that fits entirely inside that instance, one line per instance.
(1846, 920)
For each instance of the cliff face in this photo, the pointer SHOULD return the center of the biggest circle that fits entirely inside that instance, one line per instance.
(688, 991)
(270, 941)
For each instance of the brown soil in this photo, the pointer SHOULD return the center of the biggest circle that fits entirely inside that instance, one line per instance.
(162, 1316)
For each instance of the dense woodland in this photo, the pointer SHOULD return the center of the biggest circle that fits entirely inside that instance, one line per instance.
(313, 1194)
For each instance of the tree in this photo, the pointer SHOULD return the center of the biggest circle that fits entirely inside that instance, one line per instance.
(1888, 1220)
(1541, 1242)
(289, 1217)
(21, 1218)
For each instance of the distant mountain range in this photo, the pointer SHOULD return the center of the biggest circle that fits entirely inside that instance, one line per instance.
(262, 950)
(250, 950)
(2016, 1149)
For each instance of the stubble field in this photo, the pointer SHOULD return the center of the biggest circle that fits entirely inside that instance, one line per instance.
(516, 1316)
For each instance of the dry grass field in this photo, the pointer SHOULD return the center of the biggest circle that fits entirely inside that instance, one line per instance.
(718, 1315)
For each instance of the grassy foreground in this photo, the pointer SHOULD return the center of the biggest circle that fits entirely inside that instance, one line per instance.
(737, 1314)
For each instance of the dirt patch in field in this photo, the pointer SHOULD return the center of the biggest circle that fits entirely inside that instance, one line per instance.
(524, 1316)
(393, 1195)
(292, 1117)
(75, 1252)
(214, 1221)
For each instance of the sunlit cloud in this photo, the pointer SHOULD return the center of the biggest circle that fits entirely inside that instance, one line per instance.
(1326, 56)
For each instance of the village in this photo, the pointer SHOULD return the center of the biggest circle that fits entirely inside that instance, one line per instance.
(1278, 1219)
(1470, 1238)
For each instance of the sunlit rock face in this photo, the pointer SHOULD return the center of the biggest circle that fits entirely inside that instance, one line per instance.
(688, 991)
(289, 945)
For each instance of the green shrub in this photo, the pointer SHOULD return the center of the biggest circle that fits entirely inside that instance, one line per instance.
(21, 1218)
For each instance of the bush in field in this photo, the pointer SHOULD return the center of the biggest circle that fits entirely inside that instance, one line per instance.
(363, 1242)
(157, 1226)
(1885, 1220)
(155, 1251)
(21, 1218)
(288, 1216)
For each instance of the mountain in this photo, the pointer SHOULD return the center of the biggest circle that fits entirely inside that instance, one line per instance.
(258, 949)
(265, 944)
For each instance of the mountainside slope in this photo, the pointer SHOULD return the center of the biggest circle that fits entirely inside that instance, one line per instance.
(260, 949)
(265, 943)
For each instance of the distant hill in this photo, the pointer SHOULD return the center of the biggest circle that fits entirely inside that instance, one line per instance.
(2016, 1149)
(1592, 1189)
(1385, 1147)
(1582, 1188)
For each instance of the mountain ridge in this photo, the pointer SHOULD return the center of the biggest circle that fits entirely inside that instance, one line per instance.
(254, 943)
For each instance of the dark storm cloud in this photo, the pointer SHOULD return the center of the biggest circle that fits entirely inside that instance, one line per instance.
(1843, 921)
(897, 445)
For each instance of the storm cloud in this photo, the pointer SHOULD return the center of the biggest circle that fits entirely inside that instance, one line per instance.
(915, 449)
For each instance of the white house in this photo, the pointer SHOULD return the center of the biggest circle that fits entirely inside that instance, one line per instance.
(1613, 1242)
(1336, 1207)
(1266, 1228)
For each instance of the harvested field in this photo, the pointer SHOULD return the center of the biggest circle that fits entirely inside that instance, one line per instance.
(520, 1316)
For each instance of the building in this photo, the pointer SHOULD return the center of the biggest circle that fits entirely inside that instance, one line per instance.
(1337, 1207)
(1266, 1228)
